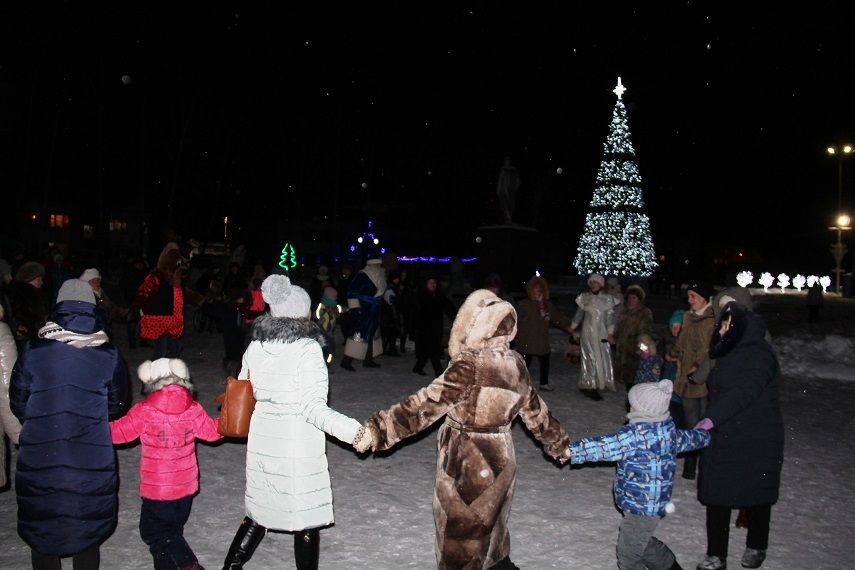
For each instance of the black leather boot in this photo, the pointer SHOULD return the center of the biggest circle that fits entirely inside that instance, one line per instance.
(307, 549)
(246, 540)
(505, 564)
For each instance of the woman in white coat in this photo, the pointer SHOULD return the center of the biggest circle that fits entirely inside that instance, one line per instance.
(287, 478)
(9, 425)
(598, 316)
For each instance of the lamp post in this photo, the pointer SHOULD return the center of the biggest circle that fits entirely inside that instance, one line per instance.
(838, 250)
(840, 152)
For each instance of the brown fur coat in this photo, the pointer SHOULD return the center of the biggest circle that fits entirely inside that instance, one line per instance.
(485, 387)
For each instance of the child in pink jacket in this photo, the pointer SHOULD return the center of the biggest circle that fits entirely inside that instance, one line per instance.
(167, 422)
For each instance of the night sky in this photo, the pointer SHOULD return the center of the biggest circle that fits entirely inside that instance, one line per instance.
(276, 117)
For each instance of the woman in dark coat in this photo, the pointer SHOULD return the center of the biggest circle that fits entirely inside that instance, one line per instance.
(742, 467)
(63, 388)
(433, 306)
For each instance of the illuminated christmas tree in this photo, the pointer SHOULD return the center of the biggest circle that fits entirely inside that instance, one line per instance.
(616, 239)
(288, 259)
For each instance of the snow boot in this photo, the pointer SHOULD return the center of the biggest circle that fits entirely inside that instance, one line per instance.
(347, 363)
(307, 549)
(753, 558)
(243, 546)
(712, 562)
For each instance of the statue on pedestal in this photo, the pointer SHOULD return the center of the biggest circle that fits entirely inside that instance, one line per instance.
(506, 189)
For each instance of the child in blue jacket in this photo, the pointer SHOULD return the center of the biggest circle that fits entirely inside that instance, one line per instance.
(645, 450)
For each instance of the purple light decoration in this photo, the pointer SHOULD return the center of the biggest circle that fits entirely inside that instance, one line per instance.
(352, 248)
(431, 259)
(383, 250)
(369, 223)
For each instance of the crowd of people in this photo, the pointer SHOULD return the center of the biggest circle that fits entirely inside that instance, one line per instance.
(705, 388)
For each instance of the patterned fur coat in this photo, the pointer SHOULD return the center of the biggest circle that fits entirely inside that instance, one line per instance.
(485, 387)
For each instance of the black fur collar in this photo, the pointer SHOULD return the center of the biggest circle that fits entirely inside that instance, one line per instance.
(283, 329)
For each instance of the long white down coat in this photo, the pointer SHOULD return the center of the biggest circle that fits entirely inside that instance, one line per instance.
(287, 478)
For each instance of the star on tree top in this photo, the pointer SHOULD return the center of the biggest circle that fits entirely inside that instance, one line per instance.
(619, 90)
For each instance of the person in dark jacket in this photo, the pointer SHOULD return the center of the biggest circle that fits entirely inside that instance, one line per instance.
(160, 299)
(742, 467)
(536, 313)
(64, 387)
(28, 302)
(433, 306)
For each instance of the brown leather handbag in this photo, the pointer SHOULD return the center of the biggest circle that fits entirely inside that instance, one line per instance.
(237, 404)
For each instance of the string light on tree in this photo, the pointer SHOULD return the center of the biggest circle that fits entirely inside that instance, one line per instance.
(812, 280)
(783, 281)
(825, 281)
(766, 280)
(288, 259)
(616, 239)
(744, 278)
(799, 282)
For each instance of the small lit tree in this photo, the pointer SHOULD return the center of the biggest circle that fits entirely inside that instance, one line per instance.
(288, 259)
(811, 280)
(799, 282)
(744, 278)
(783, 281)
(766, 280)
(825, 281)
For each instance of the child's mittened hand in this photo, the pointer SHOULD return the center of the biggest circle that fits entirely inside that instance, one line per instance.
(705, 424)
(565, 457)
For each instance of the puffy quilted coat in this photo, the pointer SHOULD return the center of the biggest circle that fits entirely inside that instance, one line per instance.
(66, 473)
(167, 422)
(162, 305)
(9, 424)
(646, 457)
(485, 387)
(287, 476)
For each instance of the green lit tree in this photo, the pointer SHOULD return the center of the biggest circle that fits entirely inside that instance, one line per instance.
(288, 260)
(616, 239)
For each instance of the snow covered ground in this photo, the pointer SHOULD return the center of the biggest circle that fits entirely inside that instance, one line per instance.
(561, 517)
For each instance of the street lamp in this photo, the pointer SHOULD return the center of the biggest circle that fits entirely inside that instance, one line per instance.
(840, 152)
(838, 250)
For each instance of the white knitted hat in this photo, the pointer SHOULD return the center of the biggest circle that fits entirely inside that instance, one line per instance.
(157, 374)
(651, 398)
(598, 278)
(90, 274)
(285, 299)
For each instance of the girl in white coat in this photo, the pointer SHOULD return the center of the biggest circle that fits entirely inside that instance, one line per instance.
(287, 479)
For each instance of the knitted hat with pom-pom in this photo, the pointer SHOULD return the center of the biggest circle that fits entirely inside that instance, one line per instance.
(163, 372)
(285, 299)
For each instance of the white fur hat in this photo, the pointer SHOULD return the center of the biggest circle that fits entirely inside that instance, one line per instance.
(651, 397)
(598, 278)
(157, 374)
(90, 274)
(285, 299)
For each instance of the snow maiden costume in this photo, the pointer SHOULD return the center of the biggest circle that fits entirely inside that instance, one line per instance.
(598, 317)
(64, 386)
(485, 387)
(363, 302)
(287, 477)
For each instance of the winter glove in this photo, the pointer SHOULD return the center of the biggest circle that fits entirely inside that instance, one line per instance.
(705, 424)
(565, 457)
(363, 440)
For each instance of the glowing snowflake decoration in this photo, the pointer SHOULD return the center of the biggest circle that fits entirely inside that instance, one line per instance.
(799, 282)
(783, 281)
(744, 278)
(825, 281)
(766, 280)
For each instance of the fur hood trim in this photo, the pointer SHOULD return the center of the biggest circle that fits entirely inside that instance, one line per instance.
(267, 328)
(483, 320)
(377, 275)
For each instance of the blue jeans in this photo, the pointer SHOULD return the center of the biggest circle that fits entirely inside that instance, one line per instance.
(162, 529)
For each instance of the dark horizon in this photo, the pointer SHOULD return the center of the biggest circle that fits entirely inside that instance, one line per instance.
(277, 118)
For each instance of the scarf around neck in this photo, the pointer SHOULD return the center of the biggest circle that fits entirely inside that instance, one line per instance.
(52, 331)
